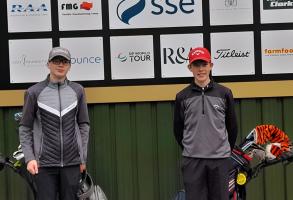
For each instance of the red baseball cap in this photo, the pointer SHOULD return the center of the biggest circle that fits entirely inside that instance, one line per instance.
(199, 53)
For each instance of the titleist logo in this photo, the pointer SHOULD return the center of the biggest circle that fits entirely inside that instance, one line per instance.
(231, 53)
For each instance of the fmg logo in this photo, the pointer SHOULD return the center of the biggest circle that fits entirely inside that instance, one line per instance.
(126, 10)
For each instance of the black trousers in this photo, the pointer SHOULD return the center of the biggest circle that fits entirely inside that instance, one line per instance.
(52, 182)
(206, 179)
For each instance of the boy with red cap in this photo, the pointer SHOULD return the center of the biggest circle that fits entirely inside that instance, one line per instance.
(205, 127)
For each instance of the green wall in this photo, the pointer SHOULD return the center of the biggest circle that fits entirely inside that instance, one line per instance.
(133, 154)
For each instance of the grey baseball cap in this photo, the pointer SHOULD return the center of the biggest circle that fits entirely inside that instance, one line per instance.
(59, 51)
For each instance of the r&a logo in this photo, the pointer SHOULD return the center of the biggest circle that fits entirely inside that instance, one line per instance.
(178, 56)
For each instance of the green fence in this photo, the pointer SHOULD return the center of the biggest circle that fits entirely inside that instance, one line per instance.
(133, 154)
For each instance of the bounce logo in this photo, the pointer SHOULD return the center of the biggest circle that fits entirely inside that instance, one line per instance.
(130, 12)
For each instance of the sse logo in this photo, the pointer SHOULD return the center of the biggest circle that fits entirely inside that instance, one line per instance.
(125, 13)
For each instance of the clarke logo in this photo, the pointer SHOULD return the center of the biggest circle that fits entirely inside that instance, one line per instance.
(177, 56)
(126, 12)
(277, 4)
(20, 8)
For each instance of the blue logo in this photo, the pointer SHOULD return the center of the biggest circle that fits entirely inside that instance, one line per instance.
(121, 57)
(131, 12)
(28, 8)
(157, 7)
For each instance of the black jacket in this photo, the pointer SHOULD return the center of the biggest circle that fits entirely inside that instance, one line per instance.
(205, 123)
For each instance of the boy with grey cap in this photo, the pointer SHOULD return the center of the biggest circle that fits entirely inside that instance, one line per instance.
(54, 130)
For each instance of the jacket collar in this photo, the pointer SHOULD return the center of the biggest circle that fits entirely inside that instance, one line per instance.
(194, 86)
(55, 85)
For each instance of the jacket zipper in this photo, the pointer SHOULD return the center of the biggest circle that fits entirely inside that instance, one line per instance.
(202, 99)
(61, 136)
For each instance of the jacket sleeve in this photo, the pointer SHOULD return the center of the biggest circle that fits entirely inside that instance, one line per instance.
(84, 124)
(178, 123)
(26, 127)
(231, 120)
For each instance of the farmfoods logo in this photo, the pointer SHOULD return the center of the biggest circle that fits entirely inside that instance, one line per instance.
(277, 4)
(278, 52)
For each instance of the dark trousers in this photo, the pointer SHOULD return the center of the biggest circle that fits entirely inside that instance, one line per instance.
(206, 179)
(52, 182)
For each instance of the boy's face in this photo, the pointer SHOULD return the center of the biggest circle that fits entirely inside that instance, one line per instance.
(201, 70)
(58, 66)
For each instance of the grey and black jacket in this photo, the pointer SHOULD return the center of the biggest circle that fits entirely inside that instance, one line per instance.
(205, 121)
(54, 129)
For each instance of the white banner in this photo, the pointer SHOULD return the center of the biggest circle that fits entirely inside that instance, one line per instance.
(233, 53)
(277, 51)
(276, 11)
(87, 58)
(230, 12)
(29, 16)
(28, 60)
(124, 14)
(80, 15)
(174, 53)
(132, 57)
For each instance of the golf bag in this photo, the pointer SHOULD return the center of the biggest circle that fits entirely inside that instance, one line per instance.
(87, 189)
(266, 145)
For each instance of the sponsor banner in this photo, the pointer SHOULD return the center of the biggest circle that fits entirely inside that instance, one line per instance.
(233, 53)
(277, 4)
(276, 11)
(87, 58)
(230, 12)
(124, 14)
(29, 16)
(132, 57)
(174, 53)
(79, 15)
(28, 60)
(277, 51)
